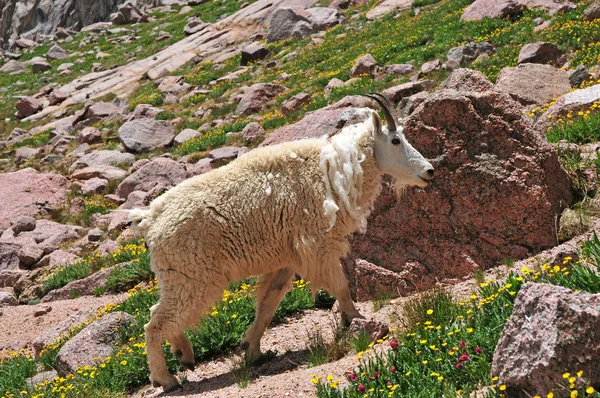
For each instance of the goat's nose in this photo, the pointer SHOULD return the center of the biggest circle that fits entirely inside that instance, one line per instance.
(429, 173)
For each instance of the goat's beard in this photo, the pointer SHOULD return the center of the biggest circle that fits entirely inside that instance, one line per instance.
(401, 189)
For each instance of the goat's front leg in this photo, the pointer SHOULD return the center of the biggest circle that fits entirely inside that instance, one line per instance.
(334, 280)
(272, 289)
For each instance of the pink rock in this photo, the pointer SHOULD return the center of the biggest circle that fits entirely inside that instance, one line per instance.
(376, 330)
(93, 186)
(29, 193)
(110, 173)
(144, 135)
(128, 14)
(539, 53)
(23, 224)
(9, 256)
(365, 65)
(481, 9)
(56, 97)
(159, 171)
(92, 343)
(42, 310)
(396, 93)
(252, 132)
(296, 102)
(552, 330)
(54, 333)
(79, 287)
(225, 153)
(101, 110)
(333, 83)
(254, 52)
(371, 281)
(28, 106)
(399, 69)
(257, 96)
(431, 66)
(201, 167)
(574, 101)
(533, 84)
(89, 135)
(325, 121)
(387, 6)
(492, 169)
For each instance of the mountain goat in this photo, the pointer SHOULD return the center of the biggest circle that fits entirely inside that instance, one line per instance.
(276, 211)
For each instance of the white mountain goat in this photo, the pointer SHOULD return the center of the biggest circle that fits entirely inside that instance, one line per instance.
(277, 211)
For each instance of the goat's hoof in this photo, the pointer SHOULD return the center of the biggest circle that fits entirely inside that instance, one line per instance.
(188, 365)
(178, 354)
(172, 388)
(155, 384)
(245, 345)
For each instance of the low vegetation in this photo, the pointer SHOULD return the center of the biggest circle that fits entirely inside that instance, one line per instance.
(448, 346)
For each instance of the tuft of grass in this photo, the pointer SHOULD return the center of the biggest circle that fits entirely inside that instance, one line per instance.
(241, 367)
(322, 351)
(581, 127)
(435, 306)
(361, 341)
(381, 300)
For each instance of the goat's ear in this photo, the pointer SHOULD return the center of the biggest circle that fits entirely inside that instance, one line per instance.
(377, 126)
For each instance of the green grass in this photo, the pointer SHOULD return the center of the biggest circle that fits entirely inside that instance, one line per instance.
(584, 128)
(132, 251)
(449, 353)
(34, 141)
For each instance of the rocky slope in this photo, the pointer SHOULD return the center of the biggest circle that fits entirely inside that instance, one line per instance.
(115, 115)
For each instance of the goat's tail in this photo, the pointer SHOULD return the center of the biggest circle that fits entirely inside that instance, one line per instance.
(139, 219)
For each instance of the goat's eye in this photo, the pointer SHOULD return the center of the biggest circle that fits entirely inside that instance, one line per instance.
(396, 141)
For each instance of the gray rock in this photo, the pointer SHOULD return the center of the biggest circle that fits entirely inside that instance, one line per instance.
(102, 158)
(226, 153)
(282, 22)
(80, 287)
(143, 111)
(110, 173)
(13, 66)
(41, 377)
(144, 135)
(592, 11)
(56, 97)
(159, 172)
(94, 235)
(7, 299)
(194, 26)
(23, 224)
(184, 136)
(301, 30)
(254, 52)
(56, 52)
(322, 18)
(101, 110)
(25, 153)
(579, 76)
(9, 256)
(407, 105)
(552, 330)
(539, 53)
(128, 13)
(333, 83)
(23, 43)
(574, 101)
(38, 67)
(94, 341)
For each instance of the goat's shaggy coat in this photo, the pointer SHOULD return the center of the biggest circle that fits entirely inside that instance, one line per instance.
(276, 211)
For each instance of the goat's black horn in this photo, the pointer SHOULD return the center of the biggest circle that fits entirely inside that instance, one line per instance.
(386, 107)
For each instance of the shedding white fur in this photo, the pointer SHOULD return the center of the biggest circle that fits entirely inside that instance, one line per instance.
(342, 172)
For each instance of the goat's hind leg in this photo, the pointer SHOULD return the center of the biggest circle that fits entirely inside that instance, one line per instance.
(272, 289)
(159, 328)
(182, 349)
